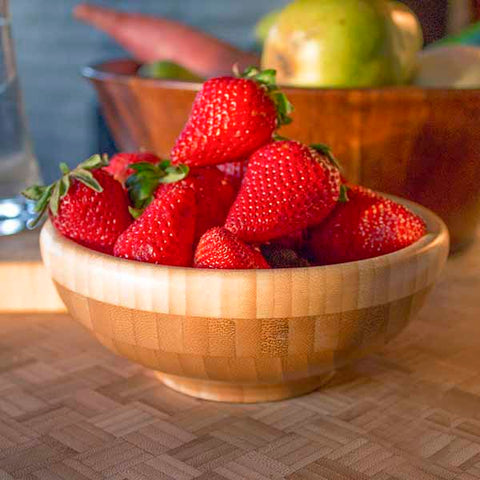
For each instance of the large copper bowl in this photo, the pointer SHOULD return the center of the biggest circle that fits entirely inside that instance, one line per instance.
(421, 144)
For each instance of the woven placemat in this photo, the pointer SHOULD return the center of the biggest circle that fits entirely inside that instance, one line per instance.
(71, 410)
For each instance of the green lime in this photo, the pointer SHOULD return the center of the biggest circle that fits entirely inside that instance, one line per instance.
(168, 70)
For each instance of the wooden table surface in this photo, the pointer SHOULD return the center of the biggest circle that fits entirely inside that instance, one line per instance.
(71, 410)
(25, 285)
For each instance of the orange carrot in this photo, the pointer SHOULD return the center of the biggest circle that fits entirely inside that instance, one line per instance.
(153, 38)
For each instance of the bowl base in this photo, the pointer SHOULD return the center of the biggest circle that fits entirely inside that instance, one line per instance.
(243, 393)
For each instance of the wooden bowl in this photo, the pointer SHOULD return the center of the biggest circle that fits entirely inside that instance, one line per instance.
(245, 335)
(421, 144)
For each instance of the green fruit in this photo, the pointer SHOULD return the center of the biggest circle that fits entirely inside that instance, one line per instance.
(168, 70)
(343, 43)
(407, 40)
(265, 24)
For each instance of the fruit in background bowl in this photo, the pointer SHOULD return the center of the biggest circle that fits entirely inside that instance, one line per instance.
(450, 66)
(348, 43)
(167, 70)
(312, 43)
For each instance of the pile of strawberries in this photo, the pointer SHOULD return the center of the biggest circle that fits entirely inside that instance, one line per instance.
(234, 195)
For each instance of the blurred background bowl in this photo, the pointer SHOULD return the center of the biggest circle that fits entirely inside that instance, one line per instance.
(419, 143)
(245, 335)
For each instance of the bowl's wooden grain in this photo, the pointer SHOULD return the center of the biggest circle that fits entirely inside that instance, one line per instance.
(245, 336)
(421, 144)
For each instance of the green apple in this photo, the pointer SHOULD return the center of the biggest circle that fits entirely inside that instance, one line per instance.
(343, 43)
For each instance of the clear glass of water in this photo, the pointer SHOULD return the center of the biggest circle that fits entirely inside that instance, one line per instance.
(18, 168)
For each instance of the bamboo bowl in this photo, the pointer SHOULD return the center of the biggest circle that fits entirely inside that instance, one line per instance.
(245, 335)
(417, 143)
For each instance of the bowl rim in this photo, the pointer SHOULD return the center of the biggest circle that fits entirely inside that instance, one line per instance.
(437, 232)
(99, 71)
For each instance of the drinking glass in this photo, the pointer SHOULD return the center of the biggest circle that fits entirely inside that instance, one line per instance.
(18, 168)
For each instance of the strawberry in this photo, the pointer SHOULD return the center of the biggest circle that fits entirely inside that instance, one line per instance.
(86, 205)
(231, 118)
(366, 226)
(164, 232)
(287, 187)
(145, 179)
(214, 194)
(235, 170)
(219, 248)
(119, 164)
(214, 191)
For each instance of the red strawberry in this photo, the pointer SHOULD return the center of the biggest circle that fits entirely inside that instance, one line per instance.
(86, 205)
(366, 226)
(118, 166)
(231, 118)
(214, 191)
(219, 248)
(288, 186)
(164, 233)
(214, 194)
(235, 170)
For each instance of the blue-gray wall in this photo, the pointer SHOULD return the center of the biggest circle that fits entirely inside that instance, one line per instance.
(52, 47)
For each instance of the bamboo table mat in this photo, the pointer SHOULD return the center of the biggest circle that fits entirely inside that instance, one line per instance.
(71, 410)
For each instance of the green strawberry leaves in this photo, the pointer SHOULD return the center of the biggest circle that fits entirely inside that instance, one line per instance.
(141, 185)
(85, 177)
(34, 193)
(284, 108)
(327, 152)
(267, 79)
(49, 196)
(343, 198)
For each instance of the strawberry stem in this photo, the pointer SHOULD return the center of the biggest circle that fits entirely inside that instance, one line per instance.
(327, 152)
(64, 168)
(143, 183)
(343, 198)
(267, 79)
(49, 196)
